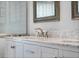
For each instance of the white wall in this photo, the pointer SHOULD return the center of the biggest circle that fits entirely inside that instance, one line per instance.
(65, 23)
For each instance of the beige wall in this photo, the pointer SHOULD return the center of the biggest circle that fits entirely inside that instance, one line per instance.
(65, 23)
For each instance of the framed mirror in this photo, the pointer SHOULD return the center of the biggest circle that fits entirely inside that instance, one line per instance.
(75, 9)
(46, 11)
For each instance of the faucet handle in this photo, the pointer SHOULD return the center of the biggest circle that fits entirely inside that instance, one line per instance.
(46, 34)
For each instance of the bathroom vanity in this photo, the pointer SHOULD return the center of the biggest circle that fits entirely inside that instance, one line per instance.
(33, 47)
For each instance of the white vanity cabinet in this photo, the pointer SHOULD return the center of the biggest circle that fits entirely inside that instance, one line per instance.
(29, 49)
(49, 52)
(32, 51)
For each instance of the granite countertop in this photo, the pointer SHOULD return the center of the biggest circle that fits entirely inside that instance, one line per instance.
(61, 41)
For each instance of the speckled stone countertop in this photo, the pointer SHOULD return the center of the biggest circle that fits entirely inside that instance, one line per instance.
(61, 41)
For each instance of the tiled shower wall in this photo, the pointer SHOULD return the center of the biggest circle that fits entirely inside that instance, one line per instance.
(13, 17)
(66, 27)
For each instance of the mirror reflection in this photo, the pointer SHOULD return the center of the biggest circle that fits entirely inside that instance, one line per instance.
(45, 8)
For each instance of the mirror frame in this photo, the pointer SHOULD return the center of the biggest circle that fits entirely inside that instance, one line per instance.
(48, 18)
(75, 10)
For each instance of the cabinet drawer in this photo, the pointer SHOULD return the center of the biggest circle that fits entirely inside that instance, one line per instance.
(70, 54)
(31, 51)
(49, 53)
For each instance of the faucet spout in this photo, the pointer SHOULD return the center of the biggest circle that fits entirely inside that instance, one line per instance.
(41, 30)
(42, 33)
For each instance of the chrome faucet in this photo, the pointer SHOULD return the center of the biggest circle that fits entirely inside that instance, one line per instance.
(44, 34)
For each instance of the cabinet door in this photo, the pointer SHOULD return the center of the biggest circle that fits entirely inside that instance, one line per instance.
(19, 50)
(70, 54)
(10, 49)
(49, 53)
(31, 51)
